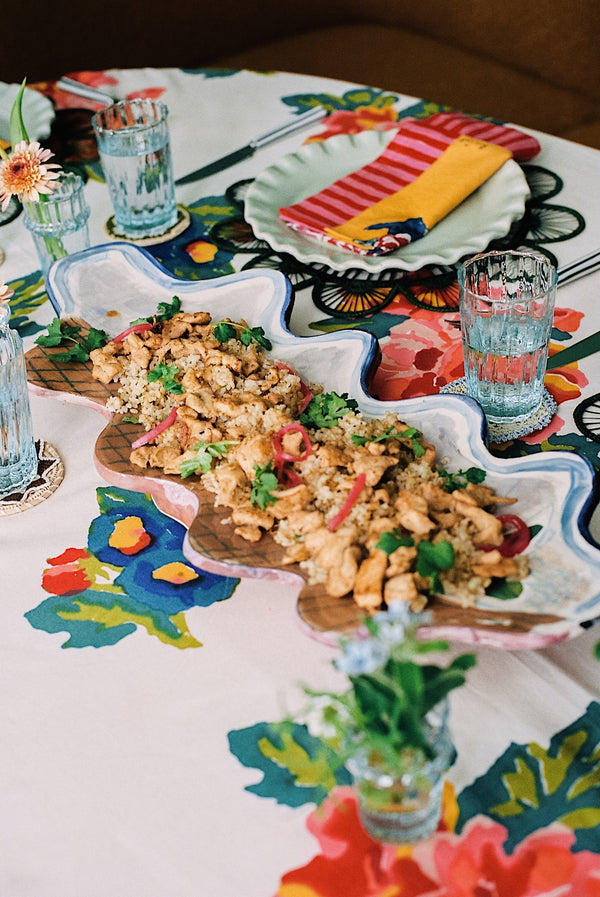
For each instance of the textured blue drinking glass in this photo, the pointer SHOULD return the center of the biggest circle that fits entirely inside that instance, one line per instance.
(506, 310)
(135, 152)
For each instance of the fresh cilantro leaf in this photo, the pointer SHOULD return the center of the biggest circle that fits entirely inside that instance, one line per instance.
(205, 452)
(75, 353)
(166, 373)
(389, 542)
(247, 334)
(95, 339)
(265, 481)
(390, 433)
(55, 334)
(431, 558)
(224, 331)
(130, 419)
(166, 310)
(461, 478)
(503, 589)
(60, 332)
(362, 440)
(326, 409)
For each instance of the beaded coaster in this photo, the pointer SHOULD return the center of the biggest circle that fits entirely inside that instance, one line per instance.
(50, 473)
(511, 429)
(183, 222)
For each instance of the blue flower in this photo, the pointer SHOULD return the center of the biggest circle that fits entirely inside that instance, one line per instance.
(364, 656)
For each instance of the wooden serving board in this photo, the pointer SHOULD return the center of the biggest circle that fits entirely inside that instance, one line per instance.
(214, 546)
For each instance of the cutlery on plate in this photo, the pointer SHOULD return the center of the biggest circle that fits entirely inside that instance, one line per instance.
(289, 127)
(84, 90)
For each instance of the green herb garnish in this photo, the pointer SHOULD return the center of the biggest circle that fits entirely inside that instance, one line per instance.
(461, 478)
(205, 452)
(61, 333)
(326, 409)
(166, 373)
(265, 481)
(164, 312)
(130, 419)
(389, 542)
(225, 330)
(410, 433)
(431, 558)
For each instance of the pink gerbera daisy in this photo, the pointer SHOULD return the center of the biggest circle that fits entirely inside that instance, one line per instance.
(26, 173)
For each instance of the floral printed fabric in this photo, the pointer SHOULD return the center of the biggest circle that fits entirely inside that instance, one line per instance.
(528, 827)
(131, 575)
(472, 864)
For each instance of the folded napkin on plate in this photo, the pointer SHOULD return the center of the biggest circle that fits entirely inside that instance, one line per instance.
(428, 168)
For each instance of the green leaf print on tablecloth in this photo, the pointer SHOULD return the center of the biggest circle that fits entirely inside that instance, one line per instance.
(529, 787)
(297, 767)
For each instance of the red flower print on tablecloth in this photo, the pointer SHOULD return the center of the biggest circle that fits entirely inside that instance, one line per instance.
(420, 355)
(424, 352)
(473, 863)
(67, 574)
(351, 863)
(363, 118)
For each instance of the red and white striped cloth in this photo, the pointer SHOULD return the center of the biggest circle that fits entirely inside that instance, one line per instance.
(417, 144)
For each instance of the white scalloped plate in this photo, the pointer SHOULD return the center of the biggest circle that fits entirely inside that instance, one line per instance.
(484, 216)
(38, 112)
(554, 489)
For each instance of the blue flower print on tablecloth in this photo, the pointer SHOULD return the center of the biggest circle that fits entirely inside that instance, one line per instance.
(132, 575)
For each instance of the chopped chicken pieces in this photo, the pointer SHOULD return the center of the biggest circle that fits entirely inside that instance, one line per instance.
(400, 588)
(232, 401)
(368, 585)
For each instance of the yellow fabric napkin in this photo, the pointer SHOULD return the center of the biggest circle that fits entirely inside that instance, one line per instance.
(416, 208)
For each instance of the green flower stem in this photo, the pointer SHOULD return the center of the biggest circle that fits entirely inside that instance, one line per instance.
(54, 245)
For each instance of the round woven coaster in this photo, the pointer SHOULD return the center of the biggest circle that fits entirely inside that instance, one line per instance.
(183, 221)
(508, 430)
(50, 473)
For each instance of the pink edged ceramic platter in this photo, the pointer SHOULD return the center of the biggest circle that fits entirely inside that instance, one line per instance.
(110, 286)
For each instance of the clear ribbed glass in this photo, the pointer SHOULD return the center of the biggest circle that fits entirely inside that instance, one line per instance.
(18, 458)
(135, 151)
(58, 222)
(506, 309)
(401, 802)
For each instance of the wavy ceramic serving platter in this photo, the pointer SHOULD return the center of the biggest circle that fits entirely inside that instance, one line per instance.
(484, 216)
(108, 286)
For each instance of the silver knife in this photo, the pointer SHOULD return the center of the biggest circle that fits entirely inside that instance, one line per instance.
(289, 127)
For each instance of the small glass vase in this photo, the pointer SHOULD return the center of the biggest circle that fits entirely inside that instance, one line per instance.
(58, 222)
(18, 456)
(401, 803)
